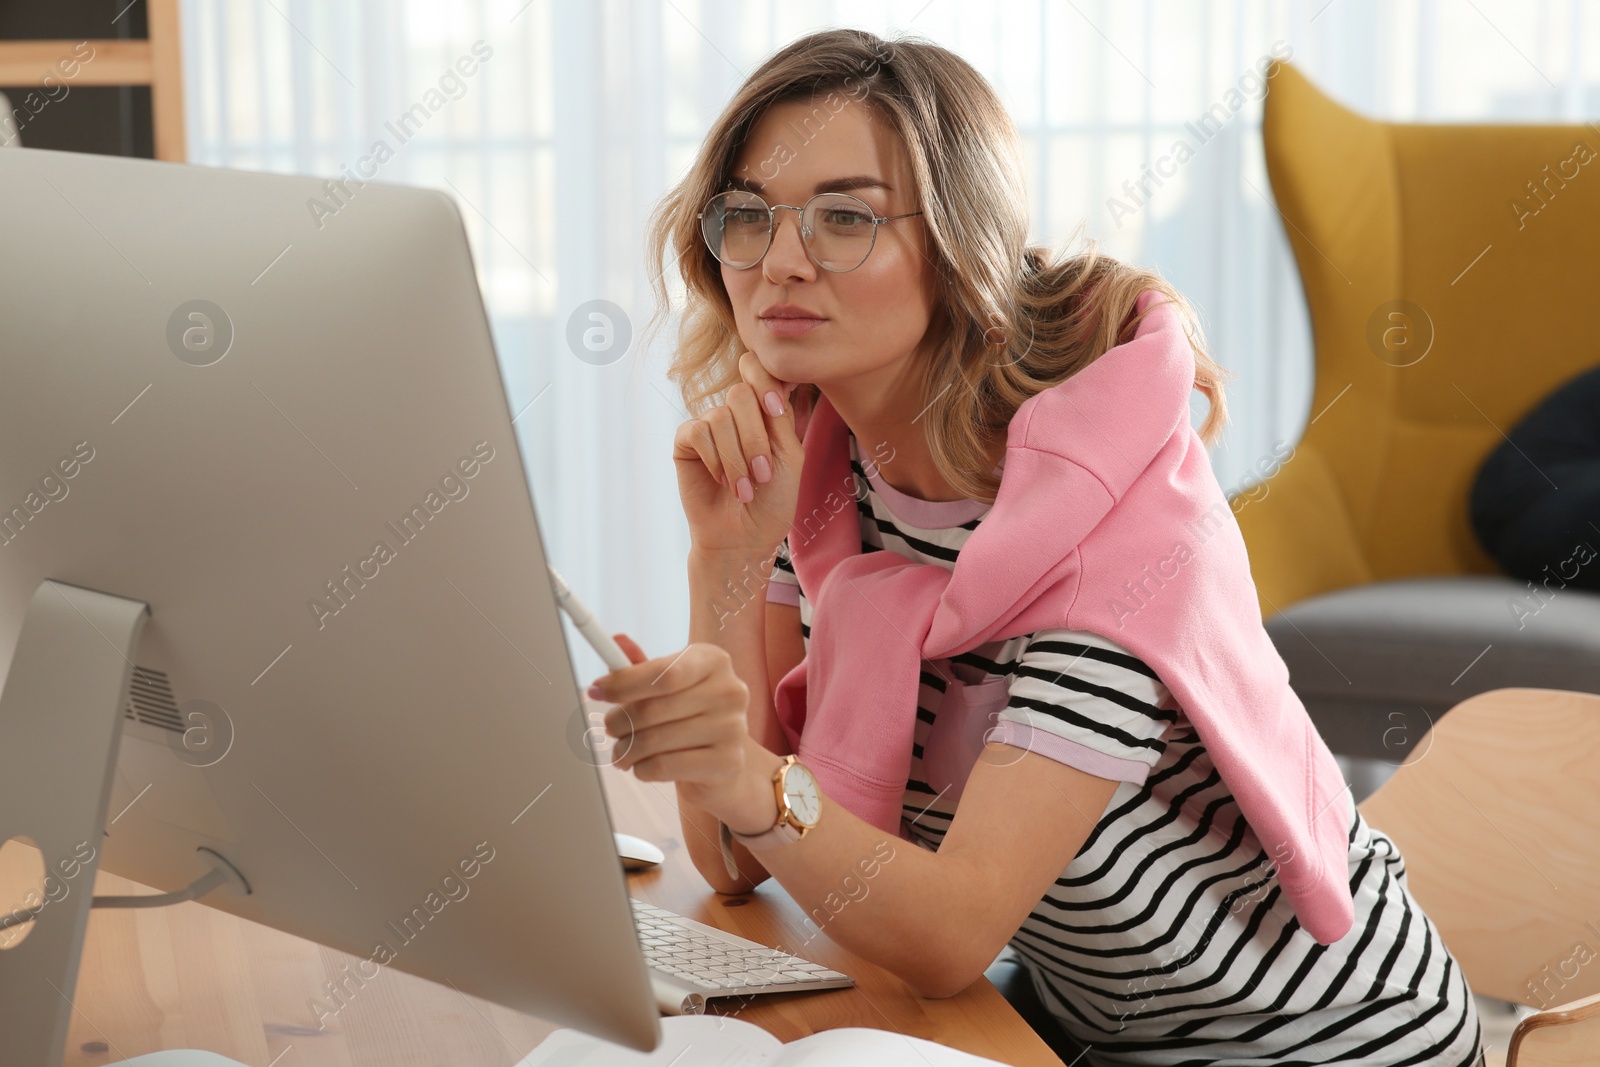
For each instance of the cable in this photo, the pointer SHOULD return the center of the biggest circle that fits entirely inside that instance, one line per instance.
(221, 873)
(199, 887)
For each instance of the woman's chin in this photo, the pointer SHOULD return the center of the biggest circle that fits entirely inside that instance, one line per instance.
(779, 367)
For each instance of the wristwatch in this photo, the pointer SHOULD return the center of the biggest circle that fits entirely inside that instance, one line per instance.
(799, 809)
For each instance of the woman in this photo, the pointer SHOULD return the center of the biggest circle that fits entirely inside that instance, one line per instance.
(1089, 827)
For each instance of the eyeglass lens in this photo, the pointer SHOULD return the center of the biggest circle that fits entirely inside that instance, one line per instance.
(837, 228)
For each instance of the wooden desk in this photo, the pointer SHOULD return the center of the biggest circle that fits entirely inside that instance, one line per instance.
(189, 976)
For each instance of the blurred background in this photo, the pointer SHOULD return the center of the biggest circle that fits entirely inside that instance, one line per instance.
(583, 114)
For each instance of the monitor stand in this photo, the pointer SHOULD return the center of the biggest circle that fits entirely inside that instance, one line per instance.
(61, 714)
(60, 726)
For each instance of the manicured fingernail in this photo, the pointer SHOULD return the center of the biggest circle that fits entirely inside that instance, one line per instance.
(745, 490)
(762, 468)
(594, 690)
(774, 403)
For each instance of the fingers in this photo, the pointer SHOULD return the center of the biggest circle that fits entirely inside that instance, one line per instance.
(715, 440)
(774, 396)
(683, 734)
(694, 443)
(762, 382)
(718, 698)
(742, 443)
(756, 407)
(725, 440)
(691, 765)
(629, 648)
(663, 675)
(734, 440)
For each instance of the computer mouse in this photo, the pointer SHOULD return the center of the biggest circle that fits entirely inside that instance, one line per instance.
(637, 853)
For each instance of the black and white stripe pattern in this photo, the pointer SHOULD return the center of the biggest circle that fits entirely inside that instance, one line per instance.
(1167, 940)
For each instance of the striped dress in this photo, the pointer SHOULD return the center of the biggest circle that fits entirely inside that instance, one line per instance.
(1167, 939)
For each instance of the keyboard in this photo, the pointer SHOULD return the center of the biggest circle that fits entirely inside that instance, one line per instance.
(706, 962)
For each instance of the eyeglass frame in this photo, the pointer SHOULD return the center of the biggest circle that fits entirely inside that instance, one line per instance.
(805, 242)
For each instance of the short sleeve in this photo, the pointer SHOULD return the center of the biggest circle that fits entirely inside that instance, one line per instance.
(1083, 700)
(783, 586)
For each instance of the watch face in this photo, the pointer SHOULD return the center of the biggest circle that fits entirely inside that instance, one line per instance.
(805, 799)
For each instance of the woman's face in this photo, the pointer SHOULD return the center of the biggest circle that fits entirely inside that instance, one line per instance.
(875, 315)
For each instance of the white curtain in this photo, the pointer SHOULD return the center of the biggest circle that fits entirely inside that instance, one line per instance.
(557, 145)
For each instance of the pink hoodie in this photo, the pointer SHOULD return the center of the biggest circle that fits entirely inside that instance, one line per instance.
(1108, 519)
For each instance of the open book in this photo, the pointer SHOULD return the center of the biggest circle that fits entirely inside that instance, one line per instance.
(724, 1041)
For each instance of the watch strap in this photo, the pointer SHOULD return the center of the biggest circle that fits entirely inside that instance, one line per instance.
(781, 834)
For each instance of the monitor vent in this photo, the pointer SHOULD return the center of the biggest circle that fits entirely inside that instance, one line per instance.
(150, 700)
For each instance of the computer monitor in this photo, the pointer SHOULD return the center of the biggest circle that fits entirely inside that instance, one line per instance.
(266, 541)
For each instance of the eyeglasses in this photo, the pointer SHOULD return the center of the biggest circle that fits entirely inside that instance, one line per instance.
(838, 229)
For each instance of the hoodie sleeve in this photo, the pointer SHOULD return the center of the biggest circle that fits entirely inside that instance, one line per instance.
(1115, 415)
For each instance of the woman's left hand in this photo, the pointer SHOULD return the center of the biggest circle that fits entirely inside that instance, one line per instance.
(742, 444)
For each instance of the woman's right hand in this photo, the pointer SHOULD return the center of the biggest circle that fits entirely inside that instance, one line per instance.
(741, 444)
(681, 718)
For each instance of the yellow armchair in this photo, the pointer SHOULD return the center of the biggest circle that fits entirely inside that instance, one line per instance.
(1489, 233)
(1452, 276)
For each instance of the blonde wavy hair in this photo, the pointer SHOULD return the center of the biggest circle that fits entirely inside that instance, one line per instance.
(1014, 320)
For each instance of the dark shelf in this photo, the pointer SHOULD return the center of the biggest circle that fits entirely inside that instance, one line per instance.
(30, 20)
(108, 119)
